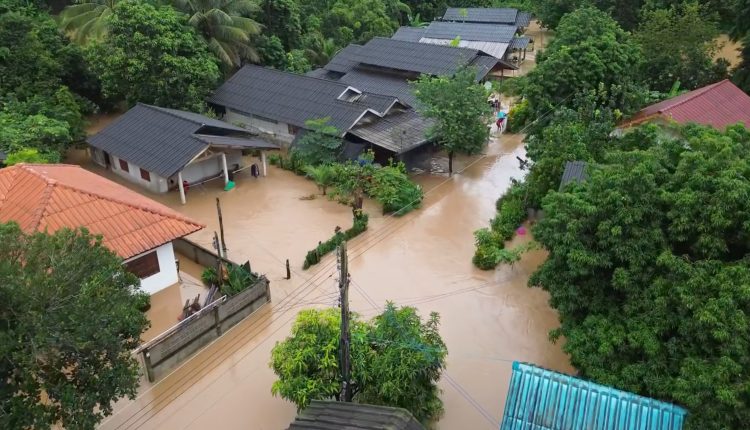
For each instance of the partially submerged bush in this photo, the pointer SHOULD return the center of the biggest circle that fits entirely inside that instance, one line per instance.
(393, 189)
(490, 243)
(313, 257)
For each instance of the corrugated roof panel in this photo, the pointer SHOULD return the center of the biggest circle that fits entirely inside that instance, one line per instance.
(399, 133)
(344, 60)
(382, 83)
(717, 105)
(499, 33)
(575, 171)
(409, 34)
(540, 399)
(477, 14)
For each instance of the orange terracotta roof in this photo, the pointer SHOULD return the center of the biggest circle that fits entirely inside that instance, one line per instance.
(48, 197)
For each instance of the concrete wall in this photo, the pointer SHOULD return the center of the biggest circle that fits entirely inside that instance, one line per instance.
(157, 184)
(279, 130)
(167, 351)
(209, 168)
(167, 270)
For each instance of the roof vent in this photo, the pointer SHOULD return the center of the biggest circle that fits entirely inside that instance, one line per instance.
(350, 95)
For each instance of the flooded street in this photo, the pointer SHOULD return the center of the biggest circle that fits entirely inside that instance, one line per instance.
(488, 319)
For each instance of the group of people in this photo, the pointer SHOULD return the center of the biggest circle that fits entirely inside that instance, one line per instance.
(497, 110)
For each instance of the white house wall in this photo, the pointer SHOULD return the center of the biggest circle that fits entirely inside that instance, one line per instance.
(167, 270)
(198, 171)
(279, 130)
(157, 184)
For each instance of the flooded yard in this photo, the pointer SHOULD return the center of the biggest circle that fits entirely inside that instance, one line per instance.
(423, 259)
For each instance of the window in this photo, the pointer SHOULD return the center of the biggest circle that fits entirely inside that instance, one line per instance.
(144, 266)
(292, 129)
(145, 175)
(124, 166)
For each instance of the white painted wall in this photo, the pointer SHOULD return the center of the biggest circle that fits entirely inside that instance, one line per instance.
(157, 184)
(278, 130)
(210, 167)
(167, 270)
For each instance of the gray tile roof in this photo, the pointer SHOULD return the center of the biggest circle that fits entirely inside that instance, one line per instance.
(322, 73)
(157, 139)
(478, 14)
(501, 33)
(413, 57)
(483, 63)
(344, 60)
(294, 99)
(523, 19)
(236, 142)
(381, 83)
(399, 132)
(519, 42)
(330, 415)
(409, 34)
(575, 171)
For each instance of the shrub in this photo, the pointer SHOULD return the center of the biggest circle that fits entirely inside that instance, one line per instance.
(519, 116)
(274, 159)
(209, 276)
(490, 243)
(238, 280)
(392, 188)
(511, 214)
(313, 257)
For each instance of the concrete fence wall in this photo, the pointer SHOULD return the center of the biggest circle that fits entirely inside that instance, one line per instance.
(176, 345)
(169, 349)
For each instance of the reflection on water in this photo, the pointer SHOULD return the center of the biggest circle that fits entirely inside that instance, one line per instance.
(422, 259)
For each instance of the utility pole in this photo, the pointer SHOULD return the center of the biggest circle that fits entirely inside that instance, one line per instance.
(221, 228)
(344, 341)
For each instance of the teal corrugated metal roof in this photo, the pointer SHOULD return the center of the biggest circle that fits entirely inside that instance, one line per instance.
(540, 399)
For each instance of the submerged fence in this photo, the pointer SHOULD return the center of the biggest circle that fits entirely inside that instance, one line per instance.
(165, 352)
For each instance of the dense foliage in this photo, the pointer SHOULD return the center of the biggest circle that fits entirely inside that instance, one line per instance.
(40, 69)
(590, 53)
(397, 360)
(679, 45)
(150, 55)
(648, 270)
(320, 143)
(490, 242)
(458, 105)
(69, 319)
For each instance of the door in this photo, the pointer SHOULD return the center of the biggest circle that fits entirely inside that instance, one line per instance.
(107, 160)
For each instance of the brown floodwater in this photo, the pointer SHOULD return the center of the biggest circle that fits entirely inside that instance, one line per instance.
(488, 318)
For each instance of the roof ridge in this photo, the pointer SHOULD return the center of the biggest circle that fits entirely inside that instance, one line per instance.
(49, 187)
(167, 112)
(476, 51)
(51, 183)
(698, 92)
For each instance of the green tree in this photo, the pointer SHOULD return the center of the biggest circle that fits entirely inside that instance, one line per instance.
(397, 360)
(458, 105)
(741, 75)
(297, 62)
(49, 137)
(225, 26)
(69, 320)
(271, 52)
(679, 45)
(647, 268)
(87, 20)
(590, 52)
(281, 18)
(320, 143)
(324, 175)
(151, 56)
(25, 155)
(550, 12)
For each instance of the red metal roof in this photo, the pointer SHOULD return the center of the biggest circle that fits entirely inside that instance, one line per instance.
(718, 105)
(48, 197)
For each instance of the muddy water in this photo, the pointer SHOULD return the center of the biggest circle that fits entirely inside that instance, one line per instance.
(488, 319)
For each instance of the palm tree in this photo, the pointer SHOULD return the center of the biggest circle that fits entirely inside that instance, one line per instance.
(225, 26)
(86, 20)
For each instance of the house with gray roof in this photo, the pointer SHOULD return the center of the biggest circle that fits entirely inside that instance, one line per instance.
(575, 171)
(164, 149)
(489, 15)
(386, 66)
(494, 39)
(279, 104)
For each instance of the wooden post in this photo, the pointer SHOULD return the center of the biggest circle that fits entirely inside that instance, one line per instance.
(182, 187)
(147, 363)
(217, 321)
(224, 166)
(344, 341)
(221, 228)
(263, 162)
(288, 270)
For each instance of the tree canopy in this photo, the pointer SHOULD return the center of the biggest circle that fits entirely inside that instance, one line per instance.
(590, 52)
(397, 360)
(69, 319)
(648, 270)
(150, 55)
(679, 45)
(458, 105)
